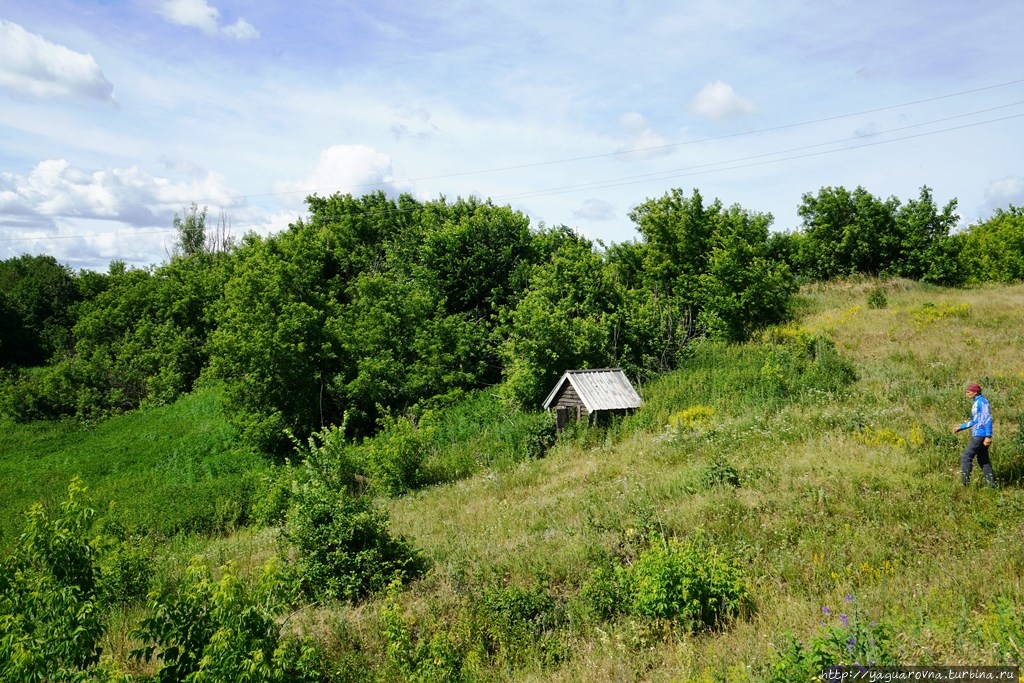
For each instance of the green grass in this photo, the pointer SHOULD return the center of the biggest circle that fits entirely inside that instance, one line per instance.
(169, 469)
(823, 469)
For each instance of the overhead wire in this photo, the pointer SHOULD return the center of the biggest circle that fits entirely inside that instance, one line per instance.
(726, 165)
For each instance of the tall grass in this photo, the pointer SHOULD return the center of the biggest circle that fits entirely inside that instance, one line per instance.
(817, 461)
(824, 484)
(166, 470)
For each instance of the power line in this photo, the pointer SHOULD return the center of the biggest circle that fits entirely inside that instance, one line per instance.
(690, 170)
(674, 173)
(656, 148)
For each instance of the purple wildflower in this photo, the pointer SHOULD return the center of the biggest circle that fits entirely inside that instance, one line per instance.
(826, 610)
(850, 643)
(845, 619)
(849, 598)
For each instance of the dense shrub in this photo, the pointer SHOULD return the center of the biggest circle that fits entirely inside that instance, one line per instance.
(342, 547)
(50, 623)
(419, 657)
(520, 622)
(209, 630)
(688, 581)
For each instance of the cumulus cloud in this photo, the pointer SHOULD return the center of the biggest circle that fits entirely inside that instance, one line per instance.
(595, 210)
(31, 65)
(355, 169)
(87, 217)
(641, 141)
(241, 30)
(1004, 191)
(201, 15)
(54, 188)
(717, 100)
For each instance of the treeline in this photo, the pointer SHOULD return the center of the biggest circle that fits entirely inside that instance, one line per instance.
(373, 307)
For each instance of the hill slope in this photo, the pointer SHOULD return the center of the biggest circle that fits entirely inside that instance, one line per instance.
(821, 494)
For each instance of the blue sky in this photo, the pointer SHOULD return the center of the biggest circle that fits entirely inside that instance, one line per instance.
(117, 114)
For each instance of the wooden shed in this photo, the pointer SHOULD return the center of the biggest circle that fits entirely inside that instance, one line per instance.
(591, 394)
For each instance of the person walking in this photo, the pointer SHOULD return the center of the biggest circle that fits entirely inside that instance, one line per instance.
(980, 425)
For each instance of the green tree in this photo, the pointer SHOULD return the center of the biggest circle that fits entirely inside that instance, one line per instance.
(846, 232)
(924, 250)
(566, 320)
(369, 307)
(742, 289)
(191, 231)
(677, 231)
(993, 250)
(40, 296)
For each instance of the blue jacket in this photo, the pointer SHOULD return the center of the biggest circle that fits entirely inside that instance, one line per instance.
(981, 418)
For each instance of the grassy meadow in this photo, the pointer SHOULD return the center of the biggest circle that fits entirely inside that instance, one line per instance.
(827, 471)
(828, 495)
(169, 469)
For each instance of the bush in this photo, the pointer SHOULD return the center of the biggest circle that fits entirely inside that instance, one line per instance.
(50, 625)
(689, 582)
(719, 473)
(394, 458)
(126, 565)
(877, 298)
(844, 641)
(419, 658)
(521, 622)
(342, 546)
(208, 631)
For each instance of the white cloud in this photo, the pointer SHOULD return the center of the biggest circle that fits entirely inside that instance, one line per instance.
(205, 17)
(55, 189)
(355, 169)
(642, 141)
(717, 100)
(241, 30)
(195, 13)
(1005, 191)
(32, 65)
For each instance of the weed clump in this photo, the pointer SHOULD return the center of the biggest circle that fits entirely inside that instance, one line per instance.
(688, 581)
(877, 298)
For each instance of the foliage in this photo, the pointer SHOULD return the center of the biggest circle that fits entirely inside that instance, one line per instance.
(877, 298)
(222, 630)
(742, 290)
(419, 658)
(342, 547)
(713, 263)
(519, 622)
(689, 581)
(1001, 628)
(843, 641)
(565, 321)
(191, 230)
(38, 297)
(51, 587)
(141, 340)
(993, 250)
(845, 233)
(371, 307)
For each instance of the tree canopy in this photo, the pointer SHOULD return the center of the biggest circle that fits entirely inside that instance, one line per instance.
(375, 307)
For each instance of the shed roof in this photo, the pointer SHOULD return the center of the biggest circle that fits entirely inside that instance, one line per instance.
(599, 389)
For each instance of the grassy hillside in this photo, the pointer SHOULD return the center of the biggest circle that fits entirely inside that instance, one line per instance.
(817, 459)
(820, 494)
(168, 469)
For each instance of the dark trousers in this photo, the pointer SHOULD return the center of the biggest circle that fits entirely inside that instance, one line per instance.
(976, 448)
